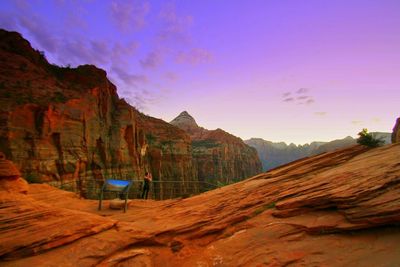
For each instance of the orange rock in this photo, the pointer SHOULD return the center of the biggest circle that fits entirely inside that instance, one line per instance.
(218, 156)
(8, 169)
(18, 185)
(396, 132)
(118, 204)
(67, 126)
(335, 209)
(10, 179)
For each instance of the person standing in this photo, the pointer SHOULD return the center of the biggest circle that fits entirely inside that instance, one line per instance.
(146, 185)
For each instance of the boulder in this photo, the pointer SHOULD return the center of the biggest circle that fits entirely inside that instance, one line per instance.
(10, 177)
(118, 204)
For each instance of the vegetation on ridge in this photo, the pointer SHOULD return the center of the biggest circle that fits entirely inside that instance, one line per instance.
(367, 139)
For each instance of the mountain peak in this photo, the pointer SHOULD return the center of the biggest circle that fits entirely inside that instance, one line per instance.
(184, 113)
(185, 121)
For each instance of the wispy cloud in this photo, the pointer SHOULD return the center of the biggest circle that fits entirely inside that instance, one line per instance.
(194, 56)
(121, 53)
(302, 91)
(309, 101)
(356, 122)
(302, 98)
(34, 25)
(289, 99)
(320, 113)
(376, 120)
(171, 76)
(153, 60)
(8, 21)
(175, 27)
(129, 14)
(140, 99)
(129, 78)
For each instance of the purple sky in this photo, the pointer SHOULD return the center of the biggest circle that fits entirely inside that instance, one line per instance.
(283, 70)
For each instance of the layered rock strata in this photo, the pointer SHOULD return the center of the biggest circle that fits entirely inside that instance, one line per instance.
(218, 155)
(336, 209)
(68, 126)
(10, 177)
(396, 132)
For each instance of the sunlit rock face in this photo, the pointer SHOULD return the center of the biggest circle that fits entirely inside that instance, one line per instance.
(63, 125)
(339, 208)
(10, 177)
(218, 156)
(396, 132)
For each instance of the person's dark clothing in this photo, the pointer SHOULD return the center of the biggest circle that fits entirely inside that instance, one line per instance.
(146, 188)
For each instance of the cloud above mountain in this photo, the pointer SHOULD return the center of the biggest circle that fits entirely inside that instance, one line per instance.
(300, 96)
(129, 15)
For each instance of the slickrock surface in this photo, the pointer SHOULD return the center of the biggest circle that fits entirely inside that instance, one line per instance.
(218, 155)
(274, 154)
(335, 209)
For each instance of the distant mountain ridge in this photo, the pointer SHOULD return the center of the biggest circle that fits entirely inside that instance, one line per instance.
(274, 154)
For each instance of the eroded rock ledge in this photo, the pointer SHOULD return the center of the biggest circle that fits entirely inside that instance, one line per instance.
(336, 209)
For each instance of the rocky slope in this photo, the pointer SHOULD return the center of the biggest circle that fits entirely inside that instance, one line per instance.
(336, 209)
(396, 132)
(63, 125)
(218, 155)
(275, 154)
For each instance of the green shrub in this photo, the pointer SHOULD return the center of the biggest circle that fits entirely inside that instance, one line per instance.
(32, 177)
(23, 67)
(59, 98)
(207, 143)
(151, 139)
(367, 139)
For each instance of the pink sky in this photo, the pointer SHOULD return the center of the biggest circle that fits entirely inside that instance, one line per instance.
(290, 70)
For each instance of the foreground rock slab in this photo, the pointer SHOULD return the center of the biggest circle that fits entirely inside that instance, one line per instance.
(335, 209)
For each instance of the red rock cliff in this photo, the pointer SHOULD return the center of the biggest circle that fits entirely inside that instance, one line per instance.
(218, 155)
(61, 124)
(396, 132)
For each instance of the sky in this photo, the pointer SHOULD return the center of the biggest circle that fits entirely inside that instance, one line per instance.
(282, 70)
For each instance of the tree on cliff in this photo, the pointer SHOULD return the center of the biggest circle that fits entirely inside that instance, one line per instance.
(367, 139)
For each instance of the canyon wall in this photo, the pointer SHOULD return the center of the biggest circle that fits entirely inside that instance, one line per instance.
(218, 155)
(67, 126)
(396, 132)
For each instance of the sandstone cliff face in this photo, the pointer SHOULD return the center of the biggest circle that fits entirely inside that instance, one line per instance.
(396, 132)
(218, 155)
(63, 125)
(336, 209)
